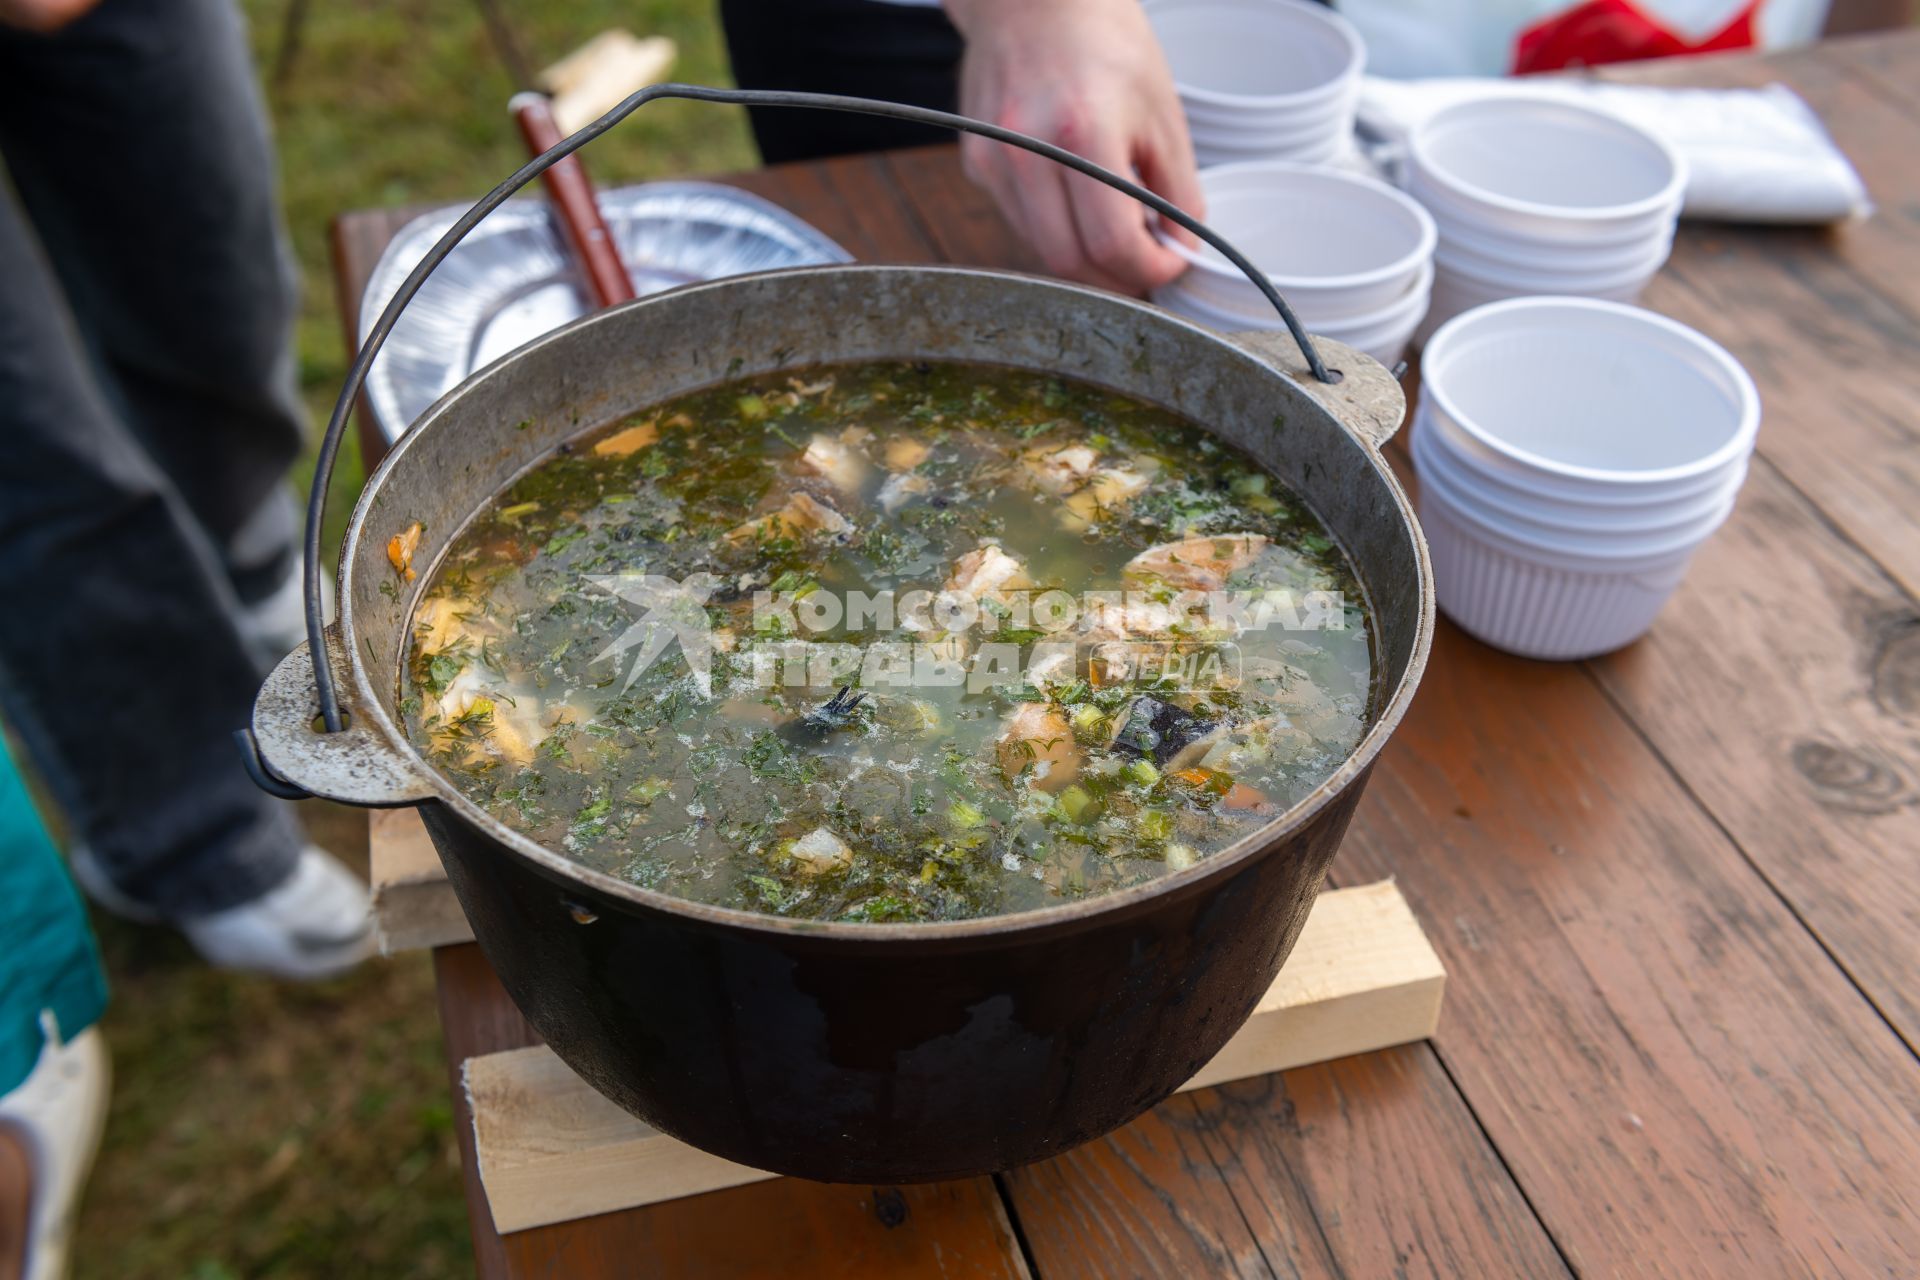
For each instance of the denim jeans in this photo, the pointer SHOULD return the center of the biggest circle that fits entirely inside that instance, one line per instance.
(148, 416)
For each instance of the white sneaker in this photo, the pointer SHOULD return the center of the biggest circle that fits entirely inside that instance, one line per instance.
(59, 1112)
(317, 923)
(276, 626)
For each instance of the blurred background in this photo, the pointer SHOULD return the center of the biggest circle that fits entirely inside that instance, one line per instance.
(264, 1129)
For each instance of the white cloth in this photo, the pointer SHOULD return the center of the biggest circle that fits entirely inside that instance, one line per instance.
(1753, 155)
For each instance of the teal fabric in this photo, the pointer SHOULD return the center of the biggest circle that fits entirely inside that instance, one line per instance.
(48, 958)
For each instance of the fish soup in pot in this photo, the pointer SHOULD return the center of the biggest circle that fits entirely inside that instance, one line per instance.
(910, 930)
(984, 639)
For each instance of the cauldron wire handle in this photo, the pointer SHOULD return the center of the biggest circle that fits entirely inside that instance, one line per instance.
(357, 374)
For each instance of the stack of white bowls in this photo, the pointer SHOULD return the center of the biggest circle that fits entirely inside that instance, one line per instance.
(1353, 257)
(1536, 196)
(1573, 455)
(1262, 79)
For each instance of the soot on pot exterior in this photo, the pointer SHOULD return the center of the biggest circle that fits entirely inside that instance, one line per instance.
(882, 1053)
(897, 1062)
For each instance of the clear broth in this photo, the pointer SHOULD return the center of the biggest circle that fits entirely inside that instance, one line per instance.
(925, 801)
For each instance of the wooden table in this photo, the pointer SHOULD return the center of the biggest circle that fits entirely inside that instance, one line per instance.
(1677, 888)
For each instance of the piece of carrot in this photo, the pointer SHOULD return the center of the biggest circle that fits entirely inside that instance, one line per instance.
(400, 549)
(1233, 795)
(1243, 797)
(622, 443)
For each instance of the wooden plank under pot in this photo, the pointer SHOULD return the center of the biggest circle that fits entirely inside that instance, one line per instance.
(550, 1149)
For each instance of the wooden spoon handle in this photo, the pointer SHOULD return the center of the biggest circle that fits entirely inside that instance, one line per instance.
(571, 195)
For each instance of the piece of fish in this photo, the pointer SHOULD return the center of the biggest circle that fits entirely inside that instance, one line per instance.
(803, 514)
(510, 724)
(1052, 664)
(900, 489)
(841, 465)
(1127, 619)
(987, 572)
(1107, 490)
(904, 453)
(1059, 471)
(820, 852)
(441, 622)
(1197, 563)
(1037, 736)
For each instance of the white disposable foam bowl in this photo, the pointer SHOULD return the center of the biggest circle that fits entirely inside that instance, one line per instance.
(1461, 218)
(1257, 313)
(1266, 146)
(1209, 154)
(1577, 551)
(1525, 281)
(1520, 255)
(1548, 505)
(1314, 133)
(1537, 166)
(1292, 118)
(1251, 133)
(1521, 251)
(1592, 393)
(1609, 530)
(1452, 296)
(1384, 335)
(1534, 603)
(1338, 246)
(1258, 55)
(1502, 480)
(1386, 341)
(1289, 135)
(1456, 292)
(1334, 118)
(1517, 280)
(1588, 551)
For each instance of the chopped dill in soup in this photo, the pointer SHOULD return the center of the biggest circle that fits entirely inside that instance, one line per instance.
(890, 642)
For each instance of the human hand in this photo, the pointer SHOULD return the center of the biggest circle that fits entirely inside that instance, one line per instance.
(1086, 75)
(43, 17)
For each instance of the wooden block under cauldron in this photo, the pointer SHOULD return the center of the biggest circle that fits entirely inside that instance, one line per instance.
(413, 905)
(550, 1149)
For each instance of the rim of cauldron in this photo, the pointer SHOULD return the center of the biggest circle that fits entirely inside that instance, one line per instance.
(1066, 917)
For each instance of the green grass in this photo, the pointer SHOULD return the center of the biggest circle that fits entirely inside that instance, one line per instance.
(264, 1130)
(405, 103)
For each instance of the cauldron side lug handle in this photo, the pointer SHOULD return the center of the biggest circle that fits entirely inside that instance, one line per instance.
(357, 765)
(1366, 398)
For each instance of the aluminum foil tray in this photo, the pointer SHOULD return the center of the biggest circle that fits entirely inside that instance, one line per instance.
(510, 280)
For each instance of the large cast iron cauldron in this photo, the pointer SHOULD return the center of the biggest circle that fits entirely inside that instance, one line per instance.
(850, 1052)
(872, 1053)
